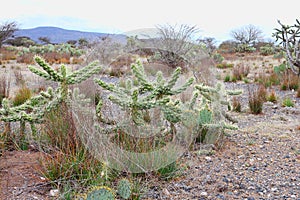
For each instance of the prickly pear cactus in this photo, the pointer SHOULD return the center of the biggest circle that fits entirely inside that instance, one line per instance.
(101, 193)
(124, 188)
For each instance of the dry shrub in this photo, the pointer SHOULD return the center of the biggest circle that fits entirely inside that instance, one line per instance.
(20, 80)
(236, 104)
(69, 163)
(204, 71)
(298, 93)
(290, 81)
(240, 71)
(7, 55)
(60, 129)
(257, 96)
(22, 95)
(152, 68)
(76, 60)
(121, 65)
(272, 97)
(4, 87)
(26, 58)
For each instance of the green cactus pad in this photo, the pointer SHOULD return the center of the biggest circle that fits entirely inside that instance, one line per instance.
(124, 188)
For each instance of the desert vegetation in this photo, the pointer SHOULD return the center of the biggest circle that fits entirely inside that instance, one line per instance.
(115, 121)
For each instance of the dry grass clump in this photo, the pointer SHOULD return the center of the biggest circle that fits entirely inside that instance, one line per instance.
(257, 96)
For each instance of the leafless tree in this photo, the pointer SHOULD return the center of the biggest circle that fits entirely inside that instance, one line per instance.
(248, 35)
(45, 40)
(289, 38)
(210, 44)
(175, 43)
(104, 49)
(7, 30)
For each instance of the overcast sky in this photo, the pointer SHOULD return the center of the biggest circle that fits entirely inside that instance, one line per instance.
(213, 18)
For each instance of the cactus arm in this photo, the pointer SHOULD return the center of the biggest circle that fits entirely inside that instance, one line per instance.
(52, 73)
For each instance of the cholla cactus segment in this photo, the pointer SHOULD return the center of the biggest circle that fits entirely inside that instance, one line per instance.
(174, 77)
(124, 188)
(84, 73)
(205, 116)
(101, 193)
(139, 73)
(51, 72)
(39, 72)
(147, 94)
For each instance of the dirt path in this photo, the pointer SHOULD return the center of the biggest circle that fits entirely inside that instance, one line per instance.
(20, 177)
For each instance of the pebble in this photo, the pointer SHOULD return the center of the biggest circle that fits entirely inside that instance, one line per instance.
(54, 192)
(204, 194)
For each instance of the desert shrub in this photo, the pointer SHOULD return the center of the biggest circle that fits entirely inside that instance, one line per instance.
(257, 96)
(272, 97)
(217, 57)
(290, 81)
(266, 50)
(20, 80)
(268, 80)
(4, 87)
(8, 53)
(22, 95)
(224, 65)
(227, 47)
(236, 104)
(298, 93)
(26, 58)
(240, 71)
(244, 48)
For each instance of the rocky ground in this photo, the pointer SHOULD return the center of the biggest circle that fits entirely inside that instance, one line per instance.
(260, 160)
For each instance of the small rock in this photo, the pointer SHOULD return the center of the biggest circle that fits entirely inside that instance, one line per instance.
(204, 194)
(208, 159)
(274, 189)
(166, 192)
(54, 192)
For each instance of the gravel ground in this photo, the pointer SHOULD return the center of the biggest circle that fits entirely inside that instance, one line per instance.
(261, 160)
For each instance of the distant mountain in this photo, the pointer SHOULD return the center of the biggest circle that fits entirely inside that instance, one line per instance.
(60, 35)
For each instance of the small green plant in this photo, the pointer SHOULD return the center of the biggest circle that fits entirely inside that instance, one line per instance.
(287, 102)
(227, 78)
(169, 172)
(272, 97)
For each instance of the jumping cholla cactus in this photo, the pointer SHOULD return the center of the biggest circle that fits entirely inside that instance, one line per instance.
(124, 188)
(288, 36)
(211, 114)
(146, 95)
(33, 110)
(62, 76)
